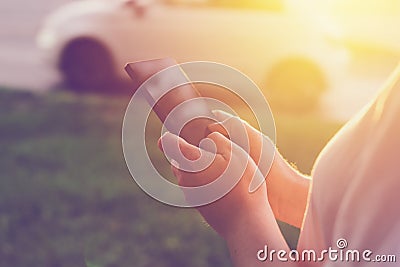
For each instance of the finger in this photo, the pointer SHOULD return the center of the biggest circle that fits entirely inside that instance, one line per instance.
(221, 115)
(175, 171)
(206, 176)
(258, 146)
(218, 127)
(189, 157)
(223, 145)
(186, 174)
(233, 128)
(229, 125)
(225, 122)
(231, 151)
(230, 122)
(178, 147)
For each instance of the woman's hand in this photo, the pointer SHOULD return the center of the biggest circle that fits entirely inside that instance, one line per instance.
(287, 188)
(230, 162)
(244, 219)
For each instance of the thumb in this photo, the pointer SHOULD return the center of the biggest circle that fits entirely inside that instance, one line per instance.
(226, 123)
(221, 115)
(232, 127)
(229, 122)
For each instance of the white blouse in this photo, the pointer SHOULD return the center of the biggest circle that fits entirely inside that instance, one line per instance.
(355, 191)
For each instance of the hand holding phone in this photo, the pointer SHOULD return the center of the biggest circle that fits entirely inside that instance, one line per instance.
(181, 109)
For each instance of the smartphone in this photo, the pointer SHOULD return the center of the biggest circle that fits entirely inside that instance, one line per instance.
(188, 119)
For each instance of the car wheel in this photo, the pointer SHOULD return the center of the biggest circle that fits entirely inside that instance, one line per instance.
(87, 65)
(295, 84)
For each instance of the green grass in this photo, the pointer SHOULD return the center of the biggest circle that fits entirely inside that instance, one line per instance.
(67, 199)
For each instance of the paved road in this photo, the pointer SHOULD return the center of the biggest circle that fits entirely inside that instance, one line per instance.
(21, 66)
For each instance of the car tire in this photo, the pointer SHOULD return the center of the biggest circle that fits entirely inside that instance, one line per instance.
(295, 84)
(87, 65)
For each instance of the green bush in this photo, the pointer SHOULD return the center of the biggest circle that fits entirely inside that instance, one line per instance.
(295, 85)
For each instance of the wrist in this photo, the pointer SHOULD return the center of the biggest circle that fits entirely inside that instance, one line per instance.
(255, 218)
(251, 234)
(287, 192)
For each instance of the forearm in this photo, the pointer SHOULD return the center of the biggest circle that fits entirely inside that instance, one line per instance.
(288, 193)
(287, 189)
(251, 235)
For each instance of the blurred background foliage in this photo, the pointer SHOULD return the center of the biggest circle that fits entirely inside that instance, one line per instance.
(67, 199)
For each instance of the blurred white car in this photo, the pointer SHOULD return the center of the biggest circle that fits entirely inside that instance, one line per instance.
(90, 41)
